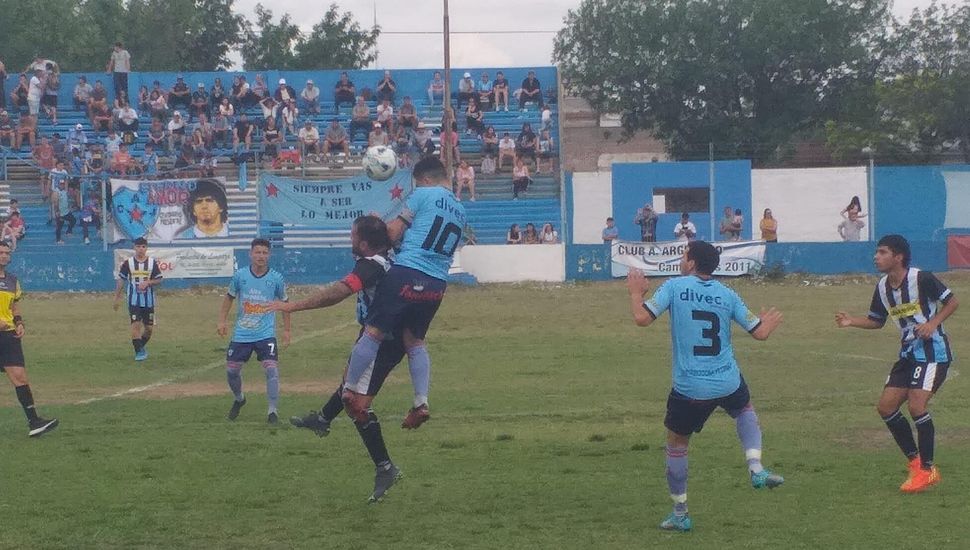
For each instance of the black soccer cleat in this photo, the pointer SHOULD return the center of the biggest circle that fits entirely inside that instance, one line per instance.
(234, 411)
(383, 480)
(40, 426)
(313, 421)
(272, 418)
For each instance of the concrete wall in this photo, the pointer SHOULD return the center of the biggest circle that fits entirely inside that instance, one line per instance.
(511, 263)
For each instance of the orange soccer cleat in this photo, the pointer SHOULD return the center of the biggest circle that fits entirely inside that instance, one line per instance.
(921, 480)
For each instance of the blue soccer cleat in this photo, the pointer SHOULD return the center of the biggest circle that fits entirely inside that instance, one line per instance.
(677, 523)
(765, 478)
(141, 355)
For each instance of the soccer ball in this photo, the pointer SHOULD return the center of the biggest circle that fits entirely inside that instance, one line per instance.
(380, 162)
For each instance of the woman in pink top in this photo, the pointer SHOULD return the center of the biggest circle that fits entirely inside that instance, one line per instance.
(520, 178)
(466, 179)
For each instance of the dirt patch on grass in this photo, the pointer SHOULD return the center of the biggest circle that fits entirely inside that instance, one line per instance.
(206, 389)
(872, 439)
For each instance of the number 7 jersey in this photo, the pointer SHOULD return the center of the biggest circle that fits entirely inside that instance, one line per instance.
(435, 221)
(701, 312)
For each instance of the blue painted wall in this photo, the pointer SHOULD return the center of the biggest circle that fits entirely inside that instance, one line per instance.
(633, 185)
(837, 258)
(911, 200)
(588, 262)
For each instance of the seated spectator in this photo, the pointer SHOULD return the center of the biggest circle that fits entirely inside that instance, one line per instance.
(259, 88)
(90, 215)
(76, 139)
(144, 103)
(184, 159)
(527, 143)
(127, 119)
(217, 93)
(506, 148)
(121, 99)
(158, 105)
(242, 133)
(423, 141)
(290, 117)
(270, 108)
(13, 230)
(490, 142)
(95, 159)
(26, 130)
(485, 97)
(514, 236)
(176, 131)
(547, 152)
(199, 148)
(530, 236)
(386, 89)
(546, 118)
(112, 144)
(121, 161)
(6, 129)
(407, 115)
(271, 139)
(18, 97)
(284, 93)
(448, 138)
(468, 235)
(336, 139)
(343, 92)
(204, 127)
(220, 130)
(377, 136)
(402, 146)
(200, 102)
(59, 147)
(488, 165)
(466, 89)
(531, 91)
(180, 94)
(548, 235)
(310, 137)
(98, 98)
(500, 90)
(465, 179)
(226, 109)
(474, 118)
(385, 115)
(157, 135)
(311, 98)
(102, 120)
(82, 93)
(360, 118)
(242, 96)
(436, 89)
(520, 178)
(149, 161)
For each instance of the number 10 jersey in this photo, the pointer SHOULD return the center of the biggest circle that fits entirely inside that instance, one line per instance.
(435, 222)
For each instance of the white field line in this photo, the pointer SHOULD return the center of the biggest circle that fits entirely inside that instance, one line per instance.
(200, 370)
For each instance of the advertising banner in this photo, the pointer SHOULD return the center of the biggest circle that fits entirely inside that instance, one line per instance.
(663, 259)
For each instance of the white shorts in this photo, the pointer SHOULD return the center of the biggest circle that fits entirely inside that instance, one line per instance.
(33, 105)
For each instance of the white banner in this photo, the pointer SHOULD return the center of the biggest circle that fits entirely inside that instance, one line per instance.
(663, 259)
(188, 263)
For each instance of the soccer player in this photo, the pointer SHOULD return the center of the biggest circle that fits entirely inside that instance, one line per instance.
(705, 372)
(255, 286)
(370, 244)
(408, 298)
(11, 351)
(918, 303)
(139, 275)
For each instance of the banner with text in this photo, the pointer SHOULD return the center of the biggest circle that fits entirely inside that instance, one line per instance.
(663, 259)
(331, 204)
(169, 210)
(188, 263)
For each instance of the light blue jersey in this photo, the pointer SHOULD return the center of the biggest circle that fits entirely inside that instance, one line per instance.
(700, 328)
(253, 322)
(435, 220)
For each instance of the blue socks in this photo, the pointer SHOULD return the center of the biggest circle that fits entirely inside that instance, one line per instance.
(419, 364)
(361, 359)
(677, 477)
(749, 432)
(272, 384)
(234, 377)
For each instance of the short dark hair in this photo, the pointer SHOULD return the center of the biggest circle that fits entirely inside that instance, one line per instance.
(373, 231)
(685, 215)
(706, 258)
(5, 244)
(259, 242)
(429, 167)
(141, 241)
(118, 43)
(610, 219)
(208, 188)
(897, 244)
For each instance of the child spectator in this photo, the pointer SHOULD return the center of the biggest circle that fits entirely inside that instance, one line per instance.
(546, 155)
(514, 236)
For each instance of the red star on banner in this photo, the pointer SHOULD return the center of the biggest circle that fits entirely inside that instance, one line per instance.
(136, 214)
(272, 190)
(397, 192)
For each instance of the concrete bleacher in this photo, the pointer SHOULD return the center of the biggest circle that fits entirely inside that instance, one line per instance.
(22, 176)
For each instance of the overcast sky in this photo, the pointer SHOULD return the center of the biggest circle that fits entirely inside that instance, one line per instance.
(467, 50)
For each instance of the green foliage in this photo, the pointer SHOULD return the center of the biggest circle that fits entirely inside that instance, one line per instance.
(336, 41)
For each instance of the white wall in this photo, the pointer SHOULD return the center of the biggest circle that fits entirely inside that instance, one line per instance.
(592, 204)
(515, 262)
(807, 201)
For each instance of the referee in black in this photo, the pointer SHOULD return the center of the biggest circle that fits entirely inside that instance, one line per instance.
(11, 351)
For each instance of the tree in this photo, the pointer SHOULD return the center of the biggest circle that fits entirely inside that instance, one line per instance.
(747, 75)
(182, 35)
(336, 41)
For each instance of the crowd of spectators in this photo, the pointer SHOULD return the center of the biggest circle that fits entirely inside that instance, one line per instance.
(529, 235)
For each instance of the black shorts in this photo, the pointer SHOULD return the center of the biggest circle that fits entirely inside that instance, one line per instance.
(240, 352)
(686, 416)
(389, 355)
(406, 299)
(140, 314)
(11, 350)
(915, 375)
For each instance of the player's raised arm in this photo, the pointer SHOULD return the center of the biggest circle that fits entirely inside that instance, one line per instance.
(332, 294)
(638, 285)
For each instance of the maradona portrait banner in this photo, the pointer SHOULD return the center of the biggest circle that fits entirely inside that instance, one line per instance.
(169, 210)
(330, 204)
(663, 259)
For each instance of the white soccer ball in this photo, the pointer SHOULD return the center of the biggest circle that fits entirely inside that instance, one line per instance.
(380, 162)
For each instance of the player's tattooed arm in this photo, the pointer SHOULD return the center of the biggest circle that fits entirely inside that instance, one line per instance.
(327, 296)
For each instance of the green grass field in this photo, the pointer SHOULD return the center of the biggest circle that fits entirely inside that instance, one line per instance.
(546, 433)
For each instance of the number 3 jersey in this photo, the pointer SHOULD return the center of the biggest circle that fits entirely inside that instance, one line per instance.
(435, 221)
(701, 312)
(253, 321)
(916, 301)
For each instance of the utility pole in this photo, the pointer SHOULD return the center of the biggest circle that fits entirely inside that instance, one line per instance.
(446, 102)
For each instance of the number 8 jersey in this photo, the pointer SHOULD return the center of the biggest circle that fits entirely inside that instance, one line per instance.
(701, 312)
(435, 220)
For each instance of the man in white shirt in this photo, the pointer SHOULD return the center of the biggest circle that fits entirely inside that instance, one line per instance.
(127, 119)
(311, 98)
(82, 93)
(506, 148)
(35, 90)
(685, 230)
(119, 65)
(310, 138)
